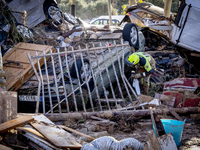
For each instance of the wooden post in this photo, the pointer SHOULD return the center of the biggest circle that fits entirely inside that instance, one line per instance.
(109, 13)
(167, 8)
(154, 123)
(132, 2)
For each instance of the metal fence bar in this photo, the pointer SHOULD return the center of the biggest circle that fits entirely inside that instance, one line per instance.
(43, 101)
(69, 95)
(88, 87)
(39, 85)
(106, 66)
(55, 80)
(102, 82)
(101, 73)
(82, 50)
(122, 55)
(120, 68)
(47, 75)
(94, 78)
(123, 74)
(132, 90)
(63, 81)
(70, 79)
(120, 90)
(78, 77)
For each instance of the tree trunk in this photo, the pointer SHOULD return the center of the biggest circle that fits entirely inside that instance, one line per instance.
(167, 8)
(110, 114)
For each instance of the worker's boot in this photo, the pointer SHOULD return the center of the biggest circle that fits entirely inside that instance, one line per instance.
(146, 89)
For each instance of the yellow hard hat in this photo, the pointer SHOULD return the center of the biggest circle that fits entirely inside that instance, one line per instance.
(134, 59)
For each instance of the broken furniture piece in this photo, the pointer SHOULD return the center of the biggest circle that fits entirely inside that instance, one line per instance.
(17, 66)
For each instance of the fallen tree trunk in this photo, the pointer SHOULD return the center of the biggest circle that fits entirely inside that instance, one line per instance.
(110, 114)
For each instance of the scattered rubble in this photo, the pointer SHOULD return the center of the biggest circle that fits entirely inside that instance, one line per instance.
(76, 75)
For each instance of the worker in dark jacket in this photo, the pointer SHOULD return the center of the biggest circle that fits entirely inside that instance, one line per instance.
(144, 65)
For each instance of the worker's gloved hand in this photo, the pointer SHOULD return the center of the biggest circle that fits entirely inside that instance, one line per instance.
(137, 75)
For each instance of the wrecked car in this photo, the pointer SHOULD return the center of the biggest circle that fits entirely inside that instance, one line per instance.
(182, 32)
(141, 13)
(36, 11)
(18, 19)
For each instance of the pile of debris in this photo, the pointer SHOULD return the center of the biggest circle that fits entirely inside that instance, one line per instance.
(152, 128)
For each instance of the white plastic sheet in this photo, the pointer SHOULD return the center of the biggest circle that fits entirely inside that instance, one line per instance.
(136, 86)
(110, 143)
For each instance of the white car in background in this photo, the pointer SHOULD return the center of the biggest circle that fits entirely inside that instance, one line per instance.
(104, 20)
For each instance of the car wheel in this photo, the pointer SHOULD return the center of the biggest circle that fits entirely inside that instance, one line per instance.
(69, 18)
(24, 31)
(82, 75)
(130, 33)
(53, 12)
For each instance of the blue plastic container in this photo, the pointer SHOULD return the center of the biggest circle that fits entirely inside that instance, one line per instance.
(175, 127)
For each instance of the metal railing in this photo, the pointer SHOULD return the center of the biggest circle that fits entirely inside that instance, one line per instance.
(91, 78)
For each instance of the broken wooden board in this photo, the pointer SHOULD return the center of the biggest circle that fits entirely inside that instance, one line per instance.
(15, 123)
(8, 106)
(153, 121)
(56, 136)
(167, 142)
(42, 118)
(35, 141)
(17, 66)
(31, 130)
(175, 115)
(152, 143)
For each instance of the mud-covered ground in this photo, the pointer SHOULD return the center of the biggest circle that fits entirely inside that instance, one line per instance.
(141, 129)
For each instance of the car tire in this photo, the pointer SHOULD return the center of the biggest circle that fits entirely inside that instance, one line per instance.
(52, 9)
(24, 31)
(48, 8)
(80, 73)
(130, 34)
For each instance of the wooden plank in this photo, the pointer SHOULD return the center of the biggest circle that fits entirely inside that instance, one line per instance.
(56, 136)
(153, 121)
(15, 123)
(79, 133)
(8, 106)
(101, 119)
(16, 76)
(175, 115)
(152, 143)
(31, 130)
(42, 118)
